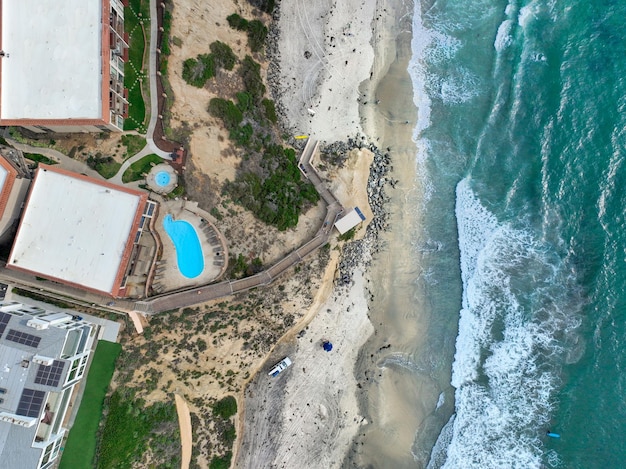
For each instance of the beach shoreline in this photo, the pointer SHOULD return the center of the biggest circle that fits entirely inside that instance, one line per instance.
(312, 414)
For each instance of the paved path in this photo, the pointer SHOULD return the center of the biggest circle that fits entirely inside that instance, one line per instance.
(153, 66)
(65, 161)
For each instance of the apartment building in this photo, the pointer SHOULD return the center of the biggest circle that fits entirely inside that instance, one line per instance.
(62, 65)
(43, 357)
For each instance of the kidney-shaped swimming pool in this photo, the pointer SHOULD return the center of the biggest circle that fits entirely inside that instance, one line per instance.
(187, 244)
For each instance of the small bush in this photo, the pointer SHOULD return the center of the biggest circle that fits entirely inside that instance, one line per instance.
(241, 135)
(226, 407)
(227, 111)
(244, 101)
(221, 463)
(223, 55)
(106, 166)
(264, 5)
(196, 72)
(237, 22)
(270, 110)
(250, 72)
(348, 235)
(39, 158)
(257, 33)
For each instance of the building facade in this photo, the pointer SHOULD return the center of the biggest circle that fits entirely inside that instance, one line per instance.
(43, 357)
(62, 65)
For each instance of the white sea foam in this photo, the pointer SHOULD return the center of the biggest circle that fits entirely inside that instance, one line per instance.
(459, 86)
(441, 401)
(510, 341)
(439, 451)
(526, 14)
(503, 37)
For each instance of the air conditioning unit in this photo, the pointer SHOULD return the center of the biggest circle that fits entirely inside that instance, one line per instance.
(41, 360)
(38, 324)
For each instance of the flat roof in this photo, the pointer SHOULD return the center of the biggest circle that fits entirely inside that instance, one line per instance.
(350, 220)
(53, 65)
(77, 230)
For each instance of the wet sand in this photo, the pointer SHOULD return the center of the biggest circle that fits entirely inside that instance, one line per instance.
(395, 398)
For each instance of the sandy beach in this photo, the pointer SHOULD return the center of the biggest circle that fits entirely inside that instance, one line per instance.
(311, 415)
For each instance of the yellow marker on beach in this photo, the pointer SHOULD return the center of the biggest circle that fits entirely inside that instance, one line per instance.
(300, 137)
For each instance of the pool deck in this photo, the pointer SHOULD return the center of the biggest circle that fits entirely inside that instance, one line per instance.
(167, 275)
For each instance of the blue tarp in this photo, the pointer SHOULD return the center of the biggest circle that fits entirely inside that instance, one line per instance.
(327, 346)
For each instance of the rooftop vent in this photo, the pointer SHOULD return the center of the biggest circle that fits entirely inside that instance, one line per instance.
(41, 360)
(38, 324)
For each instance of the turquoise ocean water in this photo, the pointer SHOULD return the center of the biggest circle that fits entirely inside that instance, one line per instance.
(521, 147)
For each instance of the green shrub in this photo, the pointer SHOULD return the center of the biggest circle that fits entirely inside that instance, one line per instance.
(227, 111)
(167, 26)
(244, 101)
(226, 407)
(223, 55)
(229, 434)
(131, 427)
(196, 72)
(270, 110)
(106, 166)
(241, 135)
(256, 30)
(250, 72)
(178, 191)
(221, 462)
(348, 235)
(237, 22)
(39, 158)
(264, 5)
(257, 33)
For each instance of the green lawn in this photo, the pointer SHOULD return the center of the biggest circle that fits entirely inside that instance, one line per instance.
(133, 70)
(136, 170)
(80, 447)
(133, 143)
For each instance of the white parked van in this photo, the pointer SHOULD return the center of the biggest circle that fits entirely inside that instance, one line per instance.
(280, 366)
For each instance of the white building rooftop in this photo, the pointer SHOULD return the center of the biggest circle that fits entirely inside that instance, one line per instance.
(350, 220)
(52, 68)
(77, 230)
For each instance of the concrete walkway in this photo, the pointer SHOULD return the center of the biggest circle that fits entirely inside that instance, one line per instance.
(153, 66)
(65, 161)
(117, 179)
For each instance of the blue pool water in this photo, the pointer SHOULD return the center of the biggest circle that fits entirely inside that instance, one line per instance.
(188, 250)
(162, 178)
